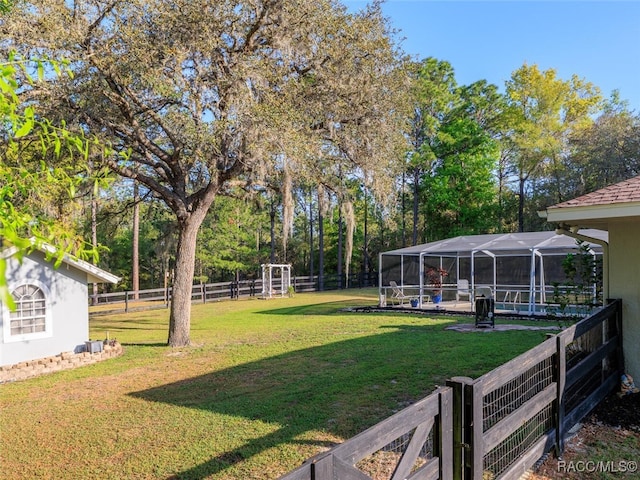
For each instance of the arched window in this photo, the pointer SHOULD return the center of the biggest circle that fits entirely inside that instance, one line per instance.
(30, 314)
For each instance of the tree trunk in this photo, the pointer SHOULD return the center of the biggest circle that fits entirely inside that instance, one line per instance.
(501, 214)
(365, 241)
(340, 283)
(521, 205)
(135, 274)
(272, 231)
(311, 233)
(94, 239)
(416, 198)
(404, 209)
(180, 317)
(320, 250)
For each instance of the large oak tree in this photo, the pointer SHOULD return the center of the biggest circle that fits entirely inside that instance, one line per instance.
(200, 98)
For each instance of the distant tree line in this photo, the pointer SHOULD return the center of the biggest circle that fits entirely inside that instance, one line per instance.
(217, 136)
(465, 172)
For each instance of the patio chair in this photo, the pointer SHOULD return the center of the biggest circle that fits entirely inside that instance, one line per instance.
(398, 294)
(463, 290)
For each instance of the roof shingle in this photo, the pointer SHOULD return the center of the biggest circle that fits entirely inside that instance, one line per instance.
(627, 191)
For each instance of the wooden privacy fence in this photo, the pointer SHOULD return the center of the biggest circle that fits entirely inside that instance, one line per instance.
(502, 422)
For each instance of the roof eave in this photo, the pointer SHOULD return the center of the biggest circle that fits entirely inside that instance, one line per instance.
(591, 214)
(94, 274)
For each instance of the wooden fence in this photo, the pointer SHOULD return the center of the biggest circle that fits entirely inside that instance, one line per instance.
(412, 444)
(211, 292)
(502, 422)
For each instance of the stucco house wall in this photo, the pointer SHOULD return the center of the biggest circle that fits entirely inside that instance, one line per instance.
(624, 283)
(65, 303)
(615, 208)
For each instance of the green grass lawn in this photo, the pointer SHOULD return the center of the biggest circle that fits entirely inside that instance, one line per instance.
(265, 385)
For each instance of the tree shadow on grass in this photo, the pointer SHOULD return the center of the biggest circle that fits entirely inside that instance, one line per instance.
(340, 388)
(320, 308)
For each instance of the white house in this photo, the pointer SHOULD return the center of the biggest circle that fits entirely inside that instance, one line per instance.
(51, 312)
(616, 209)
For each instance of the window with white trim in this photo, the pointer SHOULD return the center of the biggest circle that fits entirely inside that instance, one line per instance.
(30, 314)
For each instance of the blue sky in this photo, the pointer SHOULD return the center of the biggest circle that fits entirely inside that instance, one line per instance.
(596, 40)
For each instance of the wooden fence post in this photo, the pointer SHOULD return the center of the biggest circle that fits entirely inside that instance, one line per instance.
(461, 429)
(126, 302)
(322, 468)
(474, 427)
(444, 433)
(617, 322)
(561, 378)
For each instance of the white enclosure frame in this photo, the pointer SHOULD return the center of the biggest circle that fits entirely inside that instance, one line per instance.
(408, 268)
(275, 286)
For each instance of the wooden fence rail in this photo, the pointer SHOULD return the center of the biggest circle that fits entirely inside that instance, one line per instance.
(499, 425)
(210, 292)
(415, 441)
(517, 412)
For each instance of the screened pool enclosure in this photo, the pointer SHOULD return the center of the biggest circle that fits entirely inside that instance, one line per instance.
(521, 271)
